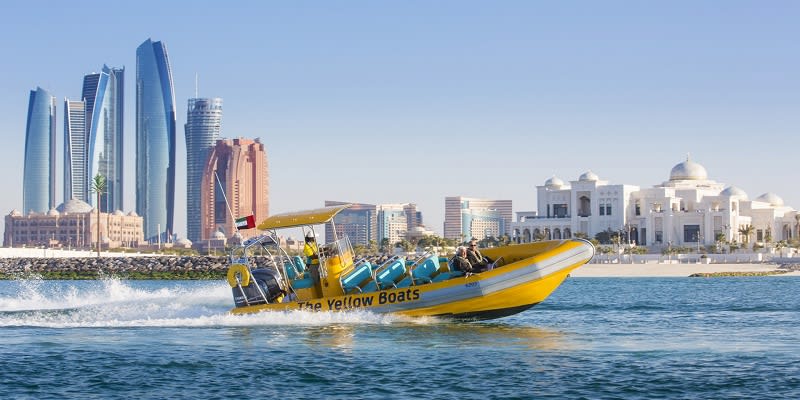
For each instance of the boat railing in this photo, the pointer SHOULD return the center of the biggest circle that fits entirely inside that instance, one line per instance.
(239, 254)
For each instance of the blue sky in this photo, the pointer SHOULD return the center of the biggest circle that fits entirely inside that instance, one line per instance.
(412, 101)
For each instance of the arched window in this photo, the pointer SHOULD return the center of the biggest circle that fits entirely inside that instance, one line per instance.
(585, 207)
(556, 233)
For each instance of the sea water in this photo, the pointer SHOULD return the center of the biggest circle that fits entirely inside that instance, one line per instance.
(593, 338)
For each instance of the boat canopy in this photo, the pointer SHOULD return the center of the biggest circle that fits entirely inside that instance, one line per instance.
(301, 218)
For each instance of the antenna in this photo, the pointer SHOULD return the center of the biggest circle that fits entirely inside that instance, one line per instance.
(222, 189)
(196, 84)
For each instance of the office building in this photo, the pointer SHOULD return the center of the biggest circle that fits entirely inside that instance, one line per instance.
(39, 181)
(155, 140)
(76, 178)
(466, 217)
(359, 223)
(202, 129)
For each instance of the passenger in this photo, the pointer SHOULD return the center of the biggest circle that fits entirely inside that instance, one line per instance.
(476, 258)
(311, 252)
(460, 261)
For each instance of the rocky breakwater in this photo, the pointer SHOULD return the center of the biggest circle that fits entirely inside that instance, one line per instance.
(166, 267)
(782, 269)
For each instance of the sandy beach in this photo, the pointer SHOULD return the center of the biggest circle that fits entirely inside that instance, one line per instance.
(667, 270)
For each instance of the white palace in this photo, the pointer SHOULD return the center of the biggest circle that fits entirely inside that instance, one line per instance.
(687, 210)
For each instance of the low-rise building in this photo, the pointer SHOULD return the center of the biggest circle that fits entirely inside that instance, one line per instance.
(687, 210)
(73, 225)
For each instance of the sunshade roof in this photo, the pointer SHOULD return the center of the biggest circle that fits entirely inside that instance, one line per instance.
(300, 218)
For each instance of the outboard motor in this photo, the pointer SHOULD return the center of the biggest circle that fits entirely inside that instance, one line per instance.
(270, 284)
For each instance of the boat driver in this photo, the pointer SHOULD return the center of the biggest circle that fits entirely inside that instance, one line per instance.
(311, 252)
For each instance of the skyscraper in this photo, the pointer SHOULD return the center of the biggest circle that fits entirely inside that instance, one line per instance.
(155, 140)
(203, 123)
(103, 94)
(76, 179)
(235, 176)
(39, 181)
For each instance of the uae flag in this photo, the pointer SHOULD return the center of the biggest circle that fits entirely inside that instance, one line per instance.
(247, 222)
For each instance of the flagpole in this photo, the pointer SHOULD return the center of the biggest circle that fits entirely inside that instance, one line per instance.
(222, 189)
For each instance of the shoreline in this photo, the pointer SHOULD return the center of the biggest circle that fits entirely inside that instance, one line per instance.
(214, 268)
(664, 270)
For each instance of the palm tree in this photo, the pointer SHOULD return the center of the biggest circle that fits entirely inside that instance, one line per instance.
(98, 186)
(747, 231)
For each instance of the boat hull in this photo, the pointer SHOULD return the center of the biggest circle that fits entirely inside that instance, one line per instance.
(533, 273)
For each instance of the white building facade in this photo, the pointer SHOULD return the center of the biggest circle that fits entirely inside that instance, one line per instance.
(687, 210)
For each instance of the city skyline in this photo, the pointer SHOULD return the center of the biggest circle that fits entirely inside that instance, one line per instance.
(479, 100)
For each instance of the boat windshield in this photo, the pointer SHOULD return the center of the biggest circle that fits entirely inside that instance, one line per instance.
(263, 251)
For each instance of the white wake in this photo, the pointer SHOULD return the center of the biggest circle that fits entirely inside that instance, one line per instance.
(118, 303)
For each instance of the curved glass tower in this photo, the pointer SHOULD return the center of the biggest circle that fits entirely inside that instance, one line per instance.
(38, 181)
(103, 95)
(203, 123)
(155, 140)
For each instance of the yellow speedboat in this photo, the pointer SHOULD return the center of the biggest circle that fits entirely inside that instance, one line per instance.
(427, 285)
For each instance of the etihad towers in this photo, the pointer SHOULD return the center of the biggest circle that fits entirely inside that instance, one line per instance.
(93, 139)
(155, 140)
(202, 129)
(38, 181)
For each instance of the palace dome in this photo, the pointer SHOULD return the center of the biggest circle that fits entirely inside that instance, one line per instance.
(74, 206)
(133, 214)
(183, 242)
(15, 213)
(218, 235)
(52, 213)
(589, 176)
(771, 198)
(554, 183)
(733, 191)
(688, 171)
(118, 213)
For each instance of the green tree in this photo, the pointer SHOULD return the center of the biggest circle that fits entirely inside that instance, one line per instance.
(98, 187)
(747, 231)
(385, 245)
(406, 245)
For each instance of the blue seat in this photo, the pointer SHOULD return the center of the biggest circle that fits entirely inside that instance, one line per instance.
(291, 270)
(390, 274)
(447, 275)
(423, 272)
(452, 273)
(354, 279)
(299, 264)
(304, 283)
